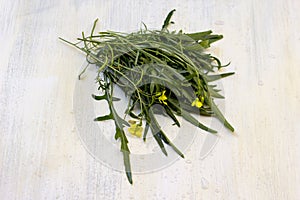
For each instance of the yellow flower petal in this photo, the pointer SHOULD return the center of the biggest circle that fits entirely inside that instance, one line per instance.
(194, 103)
(135, 129)
(197, 103)
(139, 133)
(162, 98)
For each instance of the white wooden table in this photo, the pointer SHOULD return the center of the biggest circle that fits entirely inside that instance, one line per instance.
(41, 155)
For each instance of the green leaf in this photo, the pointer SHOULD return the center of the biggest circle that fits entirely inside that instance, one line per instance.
(194, 47)
(219, 62)
(127, 166)
(146, 131)
(205, 43)
(98, 98)
(199, 35)
(125, 150)
(211, 78)
(160, 143)
(220, 116)
(214, 93)
(213, 38)
(116, 99)
(119, 124)
(167, 20)
(154, 129)
(158, 140)
(171, 114)
(133, 115)
(160, 135)
(188, 117)
(103, 118)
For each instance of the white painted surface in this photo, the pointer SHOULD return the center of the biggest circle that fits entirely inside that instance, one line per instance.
(41, 156)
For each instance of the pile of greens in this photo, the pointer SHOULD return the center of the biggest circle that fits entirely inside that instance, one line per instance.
(170, 69)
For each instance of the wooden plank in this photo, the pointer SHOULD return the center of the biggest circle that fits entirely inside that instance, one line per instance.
(42, 156)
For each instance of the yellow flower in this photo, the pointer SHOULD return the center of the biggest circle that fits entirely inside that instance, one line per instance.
(135, 129)
(197, 103)
(162, 98)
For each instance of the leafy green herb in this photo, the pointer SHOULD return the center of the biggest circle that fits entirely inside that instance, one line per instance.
(171, 69)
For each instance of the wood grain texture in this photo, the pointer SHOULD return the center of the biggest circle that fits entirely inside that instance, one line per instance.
(41, 156)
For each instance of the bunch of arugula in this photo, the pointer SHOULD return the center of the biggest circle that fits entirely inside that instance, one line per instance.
(171, 69)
